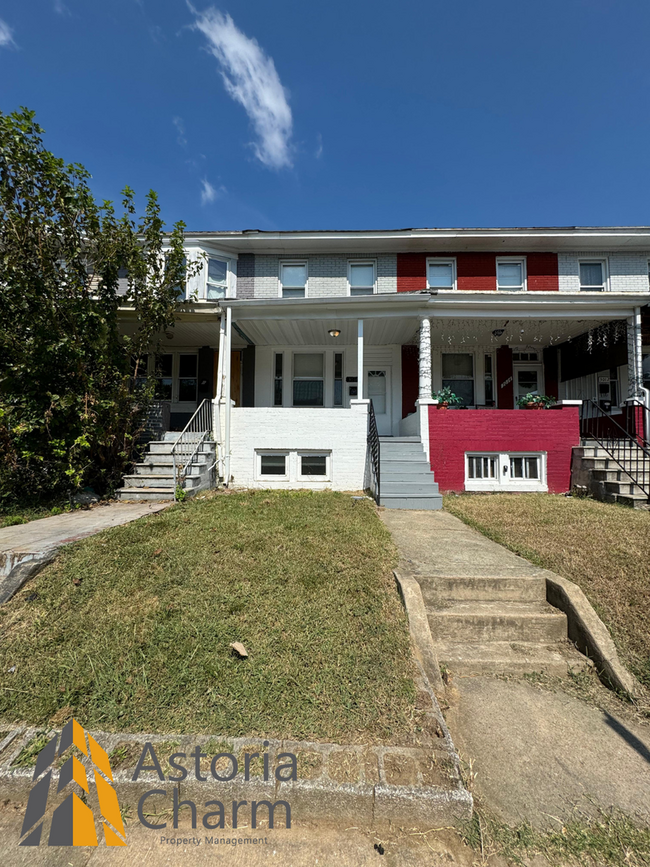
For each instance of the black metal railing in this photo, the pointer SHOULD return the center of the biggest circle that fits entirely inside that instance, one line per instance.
(373, 454)
(626, 446)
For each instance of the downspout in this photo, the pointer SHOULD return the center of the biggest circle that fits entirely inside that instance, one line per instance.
(219, 394)
(643, 393)
(227, 364)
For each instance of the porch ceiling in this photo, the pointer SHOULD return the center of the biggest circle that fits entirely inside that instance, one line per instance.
(315, 332)
(184, 333)
(524, 332)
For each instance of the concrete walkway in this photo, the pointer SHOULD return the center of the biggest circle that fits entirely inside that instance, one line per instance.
(538, 751)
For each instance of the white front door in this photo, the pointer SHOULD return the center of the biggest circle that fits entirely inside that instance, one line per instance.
(377, 387)
(528, 379)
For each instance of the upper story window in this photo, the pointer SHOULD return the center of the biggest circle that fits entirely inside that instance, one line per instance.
(293, 279)
(441, 273)
(511, 275)
(593, 275)
(361, 277)
(217, 279)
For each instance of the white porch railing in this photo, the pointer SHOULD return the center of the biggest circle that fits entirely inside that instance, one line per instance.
(190, 441)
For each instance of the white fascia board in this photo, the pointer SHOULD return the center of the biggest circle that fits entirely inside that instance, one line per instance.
(596, 305)
(343, 307)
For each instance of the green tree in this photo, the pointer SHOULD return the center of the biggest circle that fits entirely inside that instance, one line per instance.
(74, 392)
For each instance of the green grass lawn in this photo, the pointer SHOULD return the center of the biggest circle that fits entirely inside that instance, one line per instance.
(603, 548)
(130, 630)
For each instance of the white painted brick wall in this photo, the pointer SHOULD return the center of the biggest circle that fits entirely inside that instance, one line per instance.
(327, 275)
(343, 432)
(628, 272)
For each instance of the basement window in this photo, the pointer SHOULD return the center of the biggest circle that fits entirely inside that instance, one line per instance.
(314, 467)
(506, 471)
(273, 464)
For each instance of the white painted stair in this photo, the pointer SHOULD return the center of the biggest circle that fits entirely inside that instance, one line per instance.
(406, 479)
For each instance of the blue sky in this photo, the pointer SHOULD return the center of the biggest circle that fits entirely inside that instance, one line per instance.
(303, 115)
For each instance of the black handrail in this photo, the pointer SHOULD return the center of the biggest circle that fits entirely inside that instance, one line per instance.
(373, 449)
(628, 450)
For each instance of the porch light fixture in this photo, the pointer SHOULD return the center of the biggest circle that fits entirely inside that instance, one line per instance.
(498, 332)
(333, 332)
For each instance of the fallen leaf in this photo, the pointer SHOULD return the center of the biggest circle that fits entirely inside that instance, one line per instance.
(157, 551)
(76, 581)
(239, 649)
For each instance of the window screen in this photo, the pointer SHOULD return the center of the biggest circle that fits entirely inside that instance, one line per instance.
(510, 275)
(294, 279)
(591, 276)
(362, 278)
(441, 275)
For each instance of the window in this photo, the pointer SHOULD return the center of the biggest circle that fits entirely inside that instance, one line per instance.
(458, 375)
(163, 374)
(312, 465)
(524, 356)
(273, 465)
(308, 378)
(441, 273)
(592, 276)
(511, 275)
(505, 472)
(489, 382)
(187, 380)
(293, 279)
(277, 380)
(217, 279)
(338, 379)
(482, 466)
(361, 277)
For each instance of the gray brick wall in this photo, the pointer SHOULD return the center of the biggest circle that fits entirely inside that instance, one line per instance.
(628, 272)
(327, 275)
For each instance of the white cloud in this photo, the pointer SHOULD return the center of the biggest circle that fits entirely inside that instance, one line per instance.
(6, 35)
(180, 129)
(251, 79)
(318, 153)
(209, 193)
(60, 8)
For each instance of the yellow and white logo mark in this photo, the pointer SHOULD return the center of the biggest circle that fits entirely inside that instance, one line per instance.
(73, 822)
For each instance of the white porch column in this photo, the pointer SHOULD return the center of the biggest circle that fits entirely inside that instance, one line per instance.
(360, 359)
(226, 396)
(635, 357)
(425, 399)
(424, 391)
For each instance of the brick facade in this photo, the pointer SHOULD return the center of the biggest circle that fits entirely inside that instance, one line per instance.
(477, 272)
(452, 433)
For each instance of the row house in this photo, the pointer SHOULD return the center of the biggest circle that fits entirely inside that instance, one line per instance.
(320, 352)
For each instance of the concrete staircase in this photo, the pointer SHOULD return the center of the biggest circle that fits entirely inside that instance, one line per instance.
(498, 625)
(406, 479)
(596, 472)
(153, 478)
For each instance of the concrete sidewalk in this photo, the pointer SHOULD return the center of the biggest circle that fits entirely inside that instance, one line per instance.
(537, 748)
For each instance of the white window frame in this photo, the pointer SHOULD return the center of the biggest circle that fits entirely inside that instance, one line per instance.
(437, 260)
(372, 262)
(313, 453)
(207, 282)
(260, 476)
(595, 261)
(504, 481)
(512, 260)
(284, 262)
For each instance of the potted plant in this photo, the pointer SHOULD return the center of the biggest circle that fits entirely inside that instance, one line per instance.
(535, 401)
(447, 398)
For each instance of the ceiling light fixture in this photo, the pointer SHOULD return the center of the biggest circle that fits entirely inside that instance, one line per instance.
(498, 332)
(333, 332)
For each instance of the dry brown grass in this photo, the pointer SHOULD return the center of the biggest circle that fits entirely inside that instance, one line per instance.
(604, 548)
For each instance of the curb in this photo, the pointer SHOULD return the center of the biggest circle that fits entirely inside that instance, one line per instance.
(420, 632)
(377, 786)
(27, 566)
(589, 633)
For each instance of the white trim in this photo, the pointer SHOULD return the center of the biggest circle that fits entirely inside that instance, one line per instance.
(441, 260)
(503, 480)
(372, 262)
(600, 261)
(314, 454)
(284, 262)
(262, 453)
(512, 260)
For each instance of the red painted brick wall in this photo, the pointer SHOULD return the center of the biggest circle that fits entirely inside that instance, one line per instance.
(477, 271)
(542, 272)
(454, 432)
(410, 379)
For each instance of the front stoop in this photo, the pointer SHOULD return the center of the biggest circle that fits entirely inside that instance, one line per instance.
(498, 625)
(153, 478)
(596, 472)
(407, 481)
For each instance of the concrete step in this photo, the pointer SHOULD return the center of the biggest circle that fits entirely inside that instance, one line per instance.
(158, 467)
(160, 482)
(144, 494)
(163, 447)
(498, 621)
(398, 501)
(611, 475)
(503, 657)
(482, 589)
(625, 488)
(389, 440)
(409, 489)
(634, 501)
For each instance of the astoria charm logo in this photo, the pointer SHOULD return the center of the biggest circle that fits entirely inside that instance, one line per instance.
(73, 822)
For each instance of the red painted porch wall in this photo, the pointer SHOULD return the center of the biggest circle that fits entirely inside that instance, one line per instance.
(477, 271)
(454, 432)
